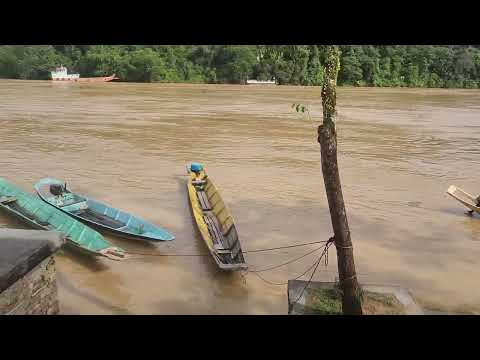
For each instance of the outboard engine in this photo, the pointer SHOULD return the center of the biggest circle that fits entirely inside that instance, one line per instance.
(56, 189)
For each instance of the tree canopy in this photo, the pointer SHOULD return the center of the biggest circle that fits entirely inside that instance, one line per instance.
(362, 65)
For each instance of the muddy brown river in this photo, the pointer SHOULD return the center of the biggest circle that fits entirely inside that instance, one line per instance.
(128, 145)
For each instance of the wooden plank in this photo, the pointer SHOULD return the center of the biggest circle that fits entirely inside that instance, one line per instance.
(203, 200)
(216, 223)
(214, 232)
(219, 237)
(235, 251)
(210, 227)
(7, 199)
(207, 202)
(198, 183)
(227, 243)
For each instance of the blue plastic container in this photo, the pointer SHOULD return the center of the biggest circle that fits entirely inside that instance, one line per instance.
(196, 167)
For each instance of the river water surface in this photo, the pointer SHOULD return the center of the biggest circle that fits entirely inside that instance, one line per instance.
(128, 144)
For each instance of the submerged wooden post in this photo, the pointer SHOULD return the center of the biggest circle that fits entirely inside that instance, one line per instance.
(327, 137)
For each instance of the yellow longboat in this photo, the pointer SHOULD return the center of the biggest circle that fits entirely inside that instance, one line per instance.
(214, 220)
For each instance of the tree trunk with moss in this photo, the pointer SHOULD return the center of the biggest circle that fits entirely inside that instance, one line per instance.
(327, 137)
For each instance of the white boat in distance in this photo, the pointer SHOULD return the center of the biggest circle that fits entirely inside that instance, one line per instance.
(61, 74)
(260, 82)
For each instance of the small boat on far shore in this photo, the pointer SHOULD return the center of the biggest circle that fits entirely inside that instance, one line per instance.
(61, 74)
(262, 82)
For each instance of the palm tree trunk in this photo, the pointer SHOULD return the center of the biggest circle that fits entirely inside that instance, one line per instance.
(327, 137)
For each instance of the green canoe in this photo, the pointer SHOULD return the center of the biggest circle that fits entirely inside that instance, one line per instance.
(38, 214)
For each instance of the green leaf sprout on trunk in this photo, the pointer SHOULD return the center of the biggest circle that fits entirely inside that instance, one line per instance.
(304, 109)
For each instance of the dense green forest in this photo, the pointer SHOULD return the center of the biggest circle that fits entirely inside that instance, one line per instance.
(365, 65)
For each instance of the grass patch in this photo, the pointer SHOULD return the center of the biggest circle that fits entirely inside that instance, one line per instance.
(328, 301)
(381, 304)
(325, 302)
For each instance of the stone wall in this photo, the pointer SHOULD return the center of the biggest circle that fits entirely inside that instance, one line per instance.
(33, 294)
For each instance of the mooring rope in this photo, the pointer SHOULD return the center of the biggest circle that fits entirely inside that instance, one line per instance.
(295, 278)
(286, 263)
(324, 255)
(315, 264)
(325, 251)
(133, 252)
(284, 247)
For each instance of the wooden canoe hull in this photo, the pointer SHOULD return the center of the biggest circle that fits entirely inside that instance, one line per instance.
(214, 224)
(103, 216)
(464, 198)
(35, 213)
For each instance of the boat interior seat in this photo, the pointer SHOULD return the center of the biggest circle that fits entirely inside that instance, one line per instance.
(203, 200)
(199, 182)
(76, 208)
(220, 250)
(73, 202)
(215, 233)
(220, 243)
